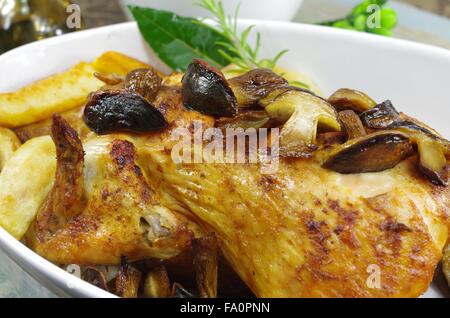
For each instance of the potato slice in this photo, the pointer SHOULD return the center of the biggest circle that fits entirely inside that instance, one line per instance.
(40, 100)
(25, 182)
(9, 142)
(117, 63)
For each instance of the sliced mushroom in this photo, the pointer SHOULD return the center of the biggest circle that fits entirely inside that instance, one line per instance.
(302, 113)
(157, 283)
(145, 82)
(372, 153)
(432, 148)
(205, 89)
(95, 277)
(330, 139)
(432, 161)
(350, 99)
(109, 79)
(381, 116)
(270, 98)
(432, 151)
(415, 130)
(245, 120)
(255, 85)
(128, 281)
(179, 291)
(206, 265)
(351, 124)
(117, 110)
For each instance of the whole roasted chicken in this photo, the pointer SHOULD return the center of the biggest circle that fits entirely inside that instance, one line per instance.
(348, 199)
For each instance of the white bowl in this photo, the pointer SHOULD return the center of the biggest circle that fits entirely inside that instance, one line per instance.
(280, 10)
(414, 76)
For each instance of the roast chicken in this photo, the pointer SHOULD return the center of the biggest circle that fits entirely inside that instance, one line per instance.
(307, 229)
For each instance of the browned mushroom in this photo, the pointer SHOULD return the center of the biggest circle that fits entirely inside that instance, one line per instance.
(157, 283)
(432, 161)
(432, 148)
(206, 265)
(205, 89)
(432, 151)
(302, 113)
(381, 116)
(255, 85)
(118, 110)
(413, 129)
(350, 99)
(351, 124)
(95, 277)
(372, 153)
(246, 119)
(179, 291)
(145, 82)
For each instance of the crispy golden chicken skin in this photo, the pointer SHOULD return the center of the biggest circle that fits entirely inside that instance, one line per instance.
(101, 209)
(303, 231)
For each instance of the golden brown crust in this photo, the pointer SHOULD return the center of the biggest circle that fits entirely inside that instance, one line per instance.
(65, 199)
(309, 232)
(302, 232)
(119, 215)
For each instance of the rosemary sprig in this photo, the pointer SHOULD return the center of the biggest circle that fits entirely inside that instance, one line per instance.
(245, 55)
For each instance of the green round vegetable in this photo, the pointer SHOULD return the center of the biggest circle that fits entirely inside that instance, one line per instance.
(388, 18)
(343, 24)
(360, 23)
(361, 8)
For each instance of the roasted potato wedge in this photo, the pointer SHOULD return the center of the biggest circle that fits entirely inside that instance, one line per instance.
(117, 63)
(25, 182)
(61, 92)
(446, 263)
(9, 142)
(40, 100)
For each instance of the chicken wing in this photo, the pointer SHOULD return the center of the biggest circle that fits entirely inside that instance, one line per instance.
(101, 209)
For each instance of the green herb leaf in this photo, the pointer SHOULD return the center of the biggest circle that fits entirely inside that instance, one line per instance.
(177, 40)
(246, 55)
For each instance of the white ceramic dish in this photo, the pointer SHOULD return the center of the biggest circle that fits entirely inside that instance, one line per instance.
(282, 10)
(414, 76)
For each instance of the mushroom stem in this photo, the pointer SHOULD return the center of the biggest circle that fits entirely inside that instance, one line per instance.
(351, 124)
(302, 113)
(206, 265)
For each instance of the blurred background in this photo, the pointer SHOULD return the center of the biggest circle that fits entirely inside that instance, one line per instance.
(23, 21)
(101, 12)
